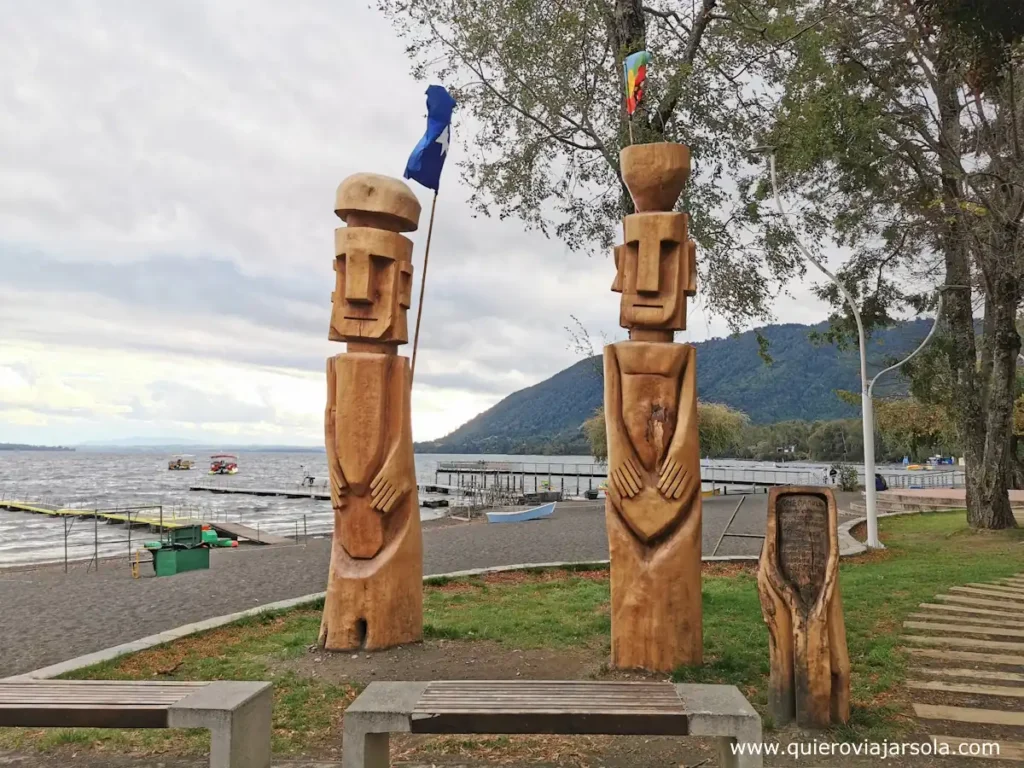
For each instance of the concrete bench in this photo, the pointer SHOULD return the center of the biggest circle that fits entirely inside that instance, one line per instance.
(236, 714)
(522, 706)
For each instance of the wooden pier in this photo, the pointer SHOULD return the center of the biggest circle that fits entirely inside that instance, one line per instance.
(320, 492)
(296, 493)
(132, 519)
(255, 535)
(525, 476)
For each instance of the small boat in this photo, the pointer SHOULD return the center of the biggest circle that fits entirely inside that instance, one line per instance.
(181, 461)
(537, 513)
(223, 464)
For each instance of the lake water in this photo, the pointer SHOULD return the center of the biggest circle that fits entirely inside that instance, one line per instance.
(108, 480)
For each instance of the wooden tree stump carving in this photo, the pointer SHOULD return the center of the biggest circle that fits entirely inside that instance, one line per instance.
(653, 510)
(375, 585)
(798, 582)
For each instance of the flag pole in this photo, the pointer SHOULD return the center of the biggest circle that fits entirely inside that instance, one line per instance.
(423, 287)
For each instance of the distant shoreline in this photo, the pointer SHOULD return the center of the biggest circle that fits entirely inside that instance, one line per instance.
(20, 447)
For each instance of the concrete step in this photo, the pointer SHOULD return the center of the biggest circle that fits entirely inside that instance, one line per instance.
(860, 508)
(899, 497)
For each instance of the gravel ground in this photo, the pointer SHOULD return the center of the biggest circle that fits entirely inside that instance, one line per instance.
(49, 616)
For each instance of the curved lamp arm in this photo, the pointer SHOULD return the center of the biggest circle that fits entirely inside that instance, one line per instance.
(811, 258)
(849, 298)
(922, 345)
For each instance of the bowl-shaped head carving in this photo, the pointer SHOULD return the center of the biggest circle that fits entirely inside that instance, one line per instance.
(655, 174)
(372, 200)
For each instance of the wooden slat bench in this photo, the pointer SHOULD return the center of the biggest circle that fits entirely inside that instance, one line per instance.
(237, 714)
(550, 707)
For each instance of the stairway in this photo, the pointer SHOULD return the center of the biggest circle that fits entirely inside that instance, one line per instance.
(897, 501)
(967, 673)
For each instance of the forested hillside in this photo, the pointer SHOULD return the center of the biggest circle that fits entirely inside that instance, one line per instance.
(799, 384)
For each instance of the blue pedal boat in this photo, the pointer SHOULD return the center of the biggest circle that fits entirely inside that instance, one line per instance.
(537, 513)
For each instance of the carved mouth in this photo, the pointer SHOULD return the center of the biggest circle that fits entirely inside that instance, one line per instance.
(646, 306)
(367, 319)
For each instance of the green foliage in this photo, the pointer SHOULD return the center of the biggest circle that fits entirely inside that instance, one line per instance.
(720, 427)
(836, 440)
(846, 477)
(917, 429)
(830, 440)
(900, 130)
(597, 435)
(540, 87)
(801, 383)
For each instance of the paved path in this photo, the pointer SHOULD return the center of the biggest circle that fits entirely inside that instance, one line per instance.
(49, 616)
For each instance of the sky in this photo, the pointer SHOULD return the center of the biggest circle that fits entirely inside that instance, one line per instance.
(167, 178)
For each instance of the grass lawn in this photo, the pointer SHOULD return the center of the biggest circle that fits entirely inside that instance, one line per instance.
(568, 611)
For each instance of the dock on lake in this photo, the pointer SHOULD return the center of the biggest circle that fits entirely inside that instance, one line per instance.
(299, 492)
(741, 478)
(238, 531)
(520, 476)
(150, 517)
(133, 517)
(319, 491)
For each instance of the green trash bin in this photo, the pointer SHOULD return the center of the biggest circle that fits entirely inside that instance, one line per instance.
(167, 561)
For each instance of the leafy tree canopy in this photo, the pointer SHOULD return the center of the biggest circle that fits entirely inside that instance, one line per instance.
(540, 89)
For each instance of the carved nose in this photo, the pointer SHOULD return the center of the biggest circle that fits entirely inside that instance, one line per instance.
(357, 279)
(647, 267)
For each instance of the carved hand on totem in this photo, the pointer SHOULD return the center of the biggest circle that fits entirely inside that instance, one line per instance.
(339, 485)
(675, 478)
(626, 478)
(337, 477)
(390, 485)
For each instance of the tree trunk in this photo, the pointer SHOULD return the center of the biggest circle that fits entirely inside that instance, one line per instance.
(1000, 369)
(966, 397)
(628, 35)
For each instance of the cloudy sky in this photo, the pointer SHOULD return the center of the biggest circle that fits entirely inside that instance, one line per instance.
(167, 176)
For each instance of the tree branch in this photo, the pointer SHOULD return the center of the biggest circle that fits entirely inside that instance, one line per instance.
(478, 71)
(700, 26)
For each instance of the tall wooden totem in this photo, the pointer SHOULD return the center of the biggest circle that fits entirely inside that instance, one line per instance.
(798, 581)
(653, 511)
(375, 586)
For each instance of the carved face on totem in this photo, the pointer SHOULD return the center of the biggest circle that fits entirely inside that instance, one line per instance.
(656, 269)
(373, 289)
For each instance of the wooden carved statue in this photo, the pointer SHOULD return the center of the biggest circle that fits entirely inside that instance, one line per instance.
(798, 581)
(653, 510)
(375, 586)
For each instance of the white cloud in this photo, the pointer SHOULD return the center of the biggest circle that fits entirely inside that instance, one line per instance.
(167, 174)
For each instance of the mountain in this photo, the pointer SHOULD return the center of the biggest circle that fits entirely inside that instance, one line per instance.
(24, 447)
(178, 445)
(800, 383)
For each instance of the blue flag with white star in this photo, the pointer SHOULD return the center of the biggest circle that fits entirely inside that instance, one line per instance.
(427, 160)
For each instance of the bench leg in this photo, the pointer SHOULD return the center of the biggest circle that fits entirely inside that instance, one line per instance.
(731, 757)
(364, 750)
(243, 739)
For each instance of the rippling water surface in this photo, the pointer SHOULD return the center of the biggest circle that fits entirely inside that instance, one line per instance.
(105, 480)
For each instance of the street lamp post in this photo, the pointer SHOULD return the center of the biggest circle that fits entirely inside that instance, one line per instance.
(866, 385)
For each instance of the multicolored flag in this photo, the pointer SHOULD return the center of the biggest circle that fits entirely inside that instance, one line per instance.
(635, 67)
